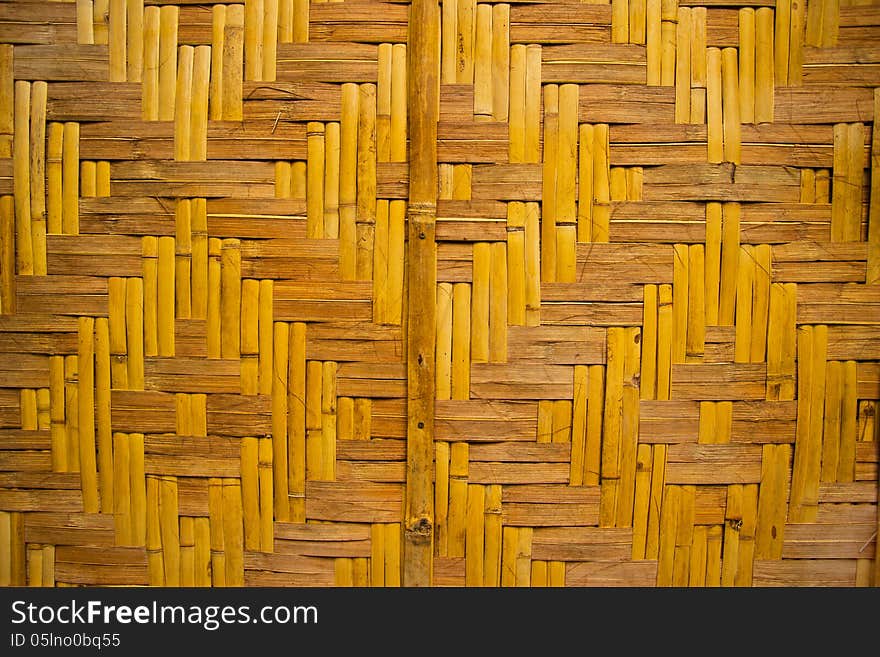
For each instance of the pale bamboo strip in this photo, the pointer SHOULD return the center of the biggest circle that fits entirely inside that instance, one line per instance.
(795, 44)
(169, 527)
(134, 326)
(482, 259)
(764, 65)
(730, 105)
(448, 55)
(509, 542)
(7, 251)
(270, 38)
(88, 177)
(566, 183)
(218, 57)
(28, 408)
(730, 258)
(296, 428)
(232, 68)
(612, 425)
(458, 472)
(637, 13)
(683, 66)
(745, 281)
(441, 498)
(7, 99)
(601, 227)
(523, 556)
(300, 21)
(198, 259)
(772, 501)
(102, 175)
(532, 264)
(168, 18)
(380, 263)
(330, 221)
(696, 304)
(71, 413)
(492, 538)
(344, 574)
(165, 298)
(538, 576)
(733, 523)
(851, 229)
(747, 64)
(230, 299)
(377, 554)
(86, 415)
(579, 424)
(187, 551)
(104, 462)
(150, 251)
(747, 536)
(153, 543)
(24, 248)
(201, 552)
(348, 163)
(315, 180)
(500, 61)
(517, 111)
(396, 260)
(474, 534)
(100, 9)
(70, 179)
(233, 539)
(667, 46)
(265, 331)
(150, 75)
(215, 511)
(250, 493)
(642, 501)
(483, 63)
(461, 340)
(398, 104)
(781, 342)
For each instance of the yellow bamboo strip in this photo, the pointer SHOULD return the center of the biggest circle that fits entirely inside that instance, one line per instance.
(713, 106)
(745, 280)
(296, 428)
(839, 193)
(683, 66)
(122, 490)
(37, 174)
(538, 576)
(7, 251)
(315, 178)
(264, 472)
(168, 18)
(747, 536)
(648, 385)
(344, 572)
(330, 220)
(54, 191)
(448, 55)
(100, 9)
(328, 422)
(637, 11)
(642, 500)
(71, 412)
(509, 543)
(781, 342)
(300, 21)
(852, 225)
(230, 299)
(482, 260)
(150, 250)
(667, 45)
(201, 552)
(250, 494)
(218, 57)
(579, 424)
(684, 538)
(233, 539)
(24, 249)
(730, 105)
(698, 53)
(392, 555)
(730, 258)
(86, 415)
(464, 40)
(43, 418)
(441, 497)
(348, 167)
(492, 539)
(104, 441)
(533, 103)
(545, 421)
(474, 535)
(747, 64)
(585, 184)
(232, 69)
(212, 305)
(457, 519)
(215, 511)
(500, 61)
(813, 28)
(134, 332)
(532, 264)
(7, 99)
(713, 555)
(712, 261)
(523, 556)
(366, 159)
(517, 115)
(697, 566)
(183, 258)
(680, 285)
(619, 21)
(270, 38)
(669, 517)
(198, 130)
(461, 340)
(380, 263)
(443, 357)
(848, 424)
(831, 427)
(561, 414)
(134, 40)
(595, 416)
(265, 336)
(155, 555)
(117, 39)
(34, 564)
(549, 173)
(772, 501)
(150, 74)
(253, 39)
(398, 103)
(28, 409)
(187, 551)
(696, 315)
(102, 178)
(483, 63)
(629, 434)
(601, 228)
(808, 186)
(665, 332)
(85, 25)
(781, 45)
(169, 529)
(250, 341)
(764, 65)
(165, 298)
(383, 104)
(88, 176)
(653, 41)
(566, 183)
(396, 258)
(498, 303)
(761, 303)
(733, 523)
(314, 444)
(873, 273)
(377, 554)
(796, 42)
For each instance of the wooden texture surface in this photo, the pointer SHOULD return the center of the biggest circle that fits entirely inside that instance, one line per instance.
(362, 293)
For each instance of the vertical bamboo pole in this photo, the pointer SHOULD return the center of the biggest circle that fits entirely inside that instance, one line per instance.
(423, 64)
(730, 105)
(232, 69)
(683, 66)
(168, 17)
(653, 41)
(150, 73)
(747, 64)
(24, 250)
(764, 65)
(296, 428)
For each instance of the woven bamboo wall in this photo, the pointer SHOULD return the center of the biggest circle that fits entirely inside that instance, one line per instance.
(653, 318)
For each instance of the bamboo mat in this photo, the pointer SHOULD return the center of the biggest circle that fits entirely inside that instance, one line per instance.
(600, 308)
